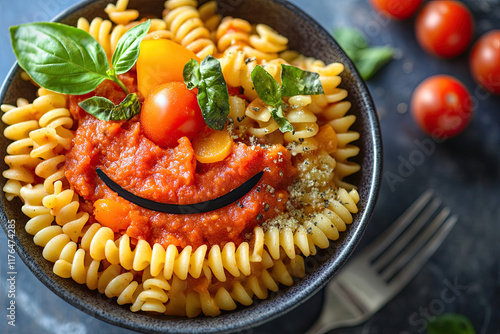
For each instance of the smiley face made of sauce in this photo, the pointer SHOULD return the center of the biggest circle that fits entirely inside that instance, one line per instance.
(173, 176)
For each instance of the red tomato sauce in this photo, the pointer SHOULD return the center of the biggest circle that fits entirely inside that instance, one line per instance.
(173, 176)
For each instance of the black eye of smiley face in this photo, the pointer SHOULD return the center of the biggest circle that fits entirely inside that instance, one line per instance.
(181, 209)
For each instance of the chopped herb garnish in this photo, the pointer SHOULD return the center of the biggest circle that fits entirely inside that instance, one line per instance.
(269, 92)
(249, 60)
(105, 110)
(213, 96)
(294, 82)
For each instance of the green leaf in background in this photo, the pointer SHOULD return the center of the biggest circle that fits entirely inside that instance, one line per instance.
(267, 88)
(59, 57)
(213, 96)
(127, 49)
(368, 60)
(295, 81)
(103, 109)
(450, 323)
(371, 60)
(351, 40)
(192, 74)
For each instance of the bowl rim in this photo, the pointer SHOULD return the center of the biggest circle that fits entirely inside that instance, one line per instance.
(300, 296)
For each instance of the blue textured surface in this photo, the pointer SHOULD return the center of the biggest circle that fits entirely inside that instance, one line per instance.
(464, 171)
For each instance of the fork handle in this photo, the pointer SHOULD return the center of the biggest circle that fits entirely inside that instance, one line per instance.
(336, 311)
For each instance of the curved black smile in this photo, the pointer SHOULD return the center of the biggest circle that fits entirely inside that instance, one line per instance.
(183, 209)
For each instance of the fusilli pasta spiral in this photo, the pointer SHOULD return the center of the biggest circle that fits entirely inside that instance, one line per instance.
(233, 32)
(237, 69)
(183, 20)
(21, 120)
(209, 16)
(119, 14)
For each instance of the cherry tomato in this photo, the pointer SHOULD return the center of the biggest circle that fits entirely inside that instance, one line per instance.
(444, 28)
(398, 9)
(485, 61)
(112, 214)
(442, 106)
(171, 111)
(160, 61)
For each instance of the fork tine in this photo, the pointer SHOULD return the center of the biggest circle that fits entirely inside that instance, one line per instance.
(403, 239)
(421, 258)
(358, 291)
(385, 239)
(416, 246)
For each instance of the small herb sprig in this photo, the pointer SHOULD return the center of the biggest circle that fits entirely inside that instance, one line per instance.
(68, 60)
(450, 323)
(294, 81)
(213, 96)
(368, 60)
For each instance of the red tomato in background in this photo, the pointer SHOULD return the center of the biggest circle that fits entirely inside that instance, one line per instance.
(442, 106)
(485, 61)
(398, 9)
(444, 28)
(171, 111)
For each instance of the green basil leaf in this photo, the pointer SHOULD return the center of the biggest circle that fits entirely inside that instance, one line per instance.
(283, 123)
(127, 49)
(295, 81)
(192, 74)
(213, 96)
(127, 109)
(350, 40)
(103, 109)
(267, 88)
(370, 60)
(450, 323)
(98, 106)
(60, 58)
(269, 91)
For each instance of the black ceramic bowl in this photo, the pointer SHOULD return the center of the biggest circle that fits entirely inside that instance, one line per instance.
(305, 36)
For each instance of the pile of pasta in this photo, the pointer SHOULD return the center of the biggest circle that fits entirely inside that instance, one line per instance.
(152, 277)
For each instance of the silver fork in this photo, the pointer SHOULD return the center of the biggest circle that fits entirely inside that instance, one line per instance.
(383, 268)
